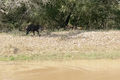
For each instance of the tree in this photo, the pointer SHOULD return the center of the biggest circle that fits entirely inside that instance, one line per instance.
(56, 14)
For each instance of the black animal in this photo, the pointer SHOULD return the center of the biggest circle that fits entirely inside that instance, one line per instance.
(33, 28)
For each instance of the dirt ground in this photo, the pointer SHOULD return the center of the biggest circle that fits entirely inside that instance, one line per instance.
(61, 70)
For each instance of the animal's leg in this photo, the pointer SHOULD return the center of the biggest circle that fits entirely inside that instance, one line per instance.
(33, 32)
(38, 32)
(27, 32)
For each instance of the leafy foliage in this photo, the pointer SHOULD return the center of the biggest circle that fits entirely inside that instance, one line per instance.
(56, 14)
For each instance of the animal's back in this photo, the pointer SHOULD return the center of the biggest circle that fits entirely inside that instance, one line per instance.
(32, 27)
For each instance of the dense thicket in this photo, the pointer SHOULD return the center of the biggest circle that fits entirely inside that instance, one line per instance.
(56, 14)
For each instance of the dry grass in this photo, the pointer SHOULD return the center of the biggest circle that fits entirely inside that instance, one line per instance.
(61, 45)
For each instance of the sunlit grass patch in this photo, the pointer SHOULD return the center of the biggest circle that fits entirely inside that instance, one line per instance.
(61, 56)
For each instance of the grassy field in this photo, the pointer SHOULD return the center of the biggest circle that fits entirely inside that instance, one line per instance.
(65, 45)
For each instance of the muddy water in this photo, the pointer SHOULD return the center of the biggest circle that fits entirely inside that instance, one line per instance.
(74, 70)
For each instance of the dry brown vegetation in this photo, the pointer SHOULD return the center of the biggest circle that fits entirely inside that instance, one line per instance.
(61, 45)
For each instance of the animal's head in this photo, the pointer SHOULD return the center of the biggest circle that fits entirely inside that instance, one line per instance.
(41, 27)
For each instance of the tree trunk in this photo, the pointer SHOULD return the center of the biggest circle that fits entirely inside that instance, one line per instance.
(68, 17)
(67, 20)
